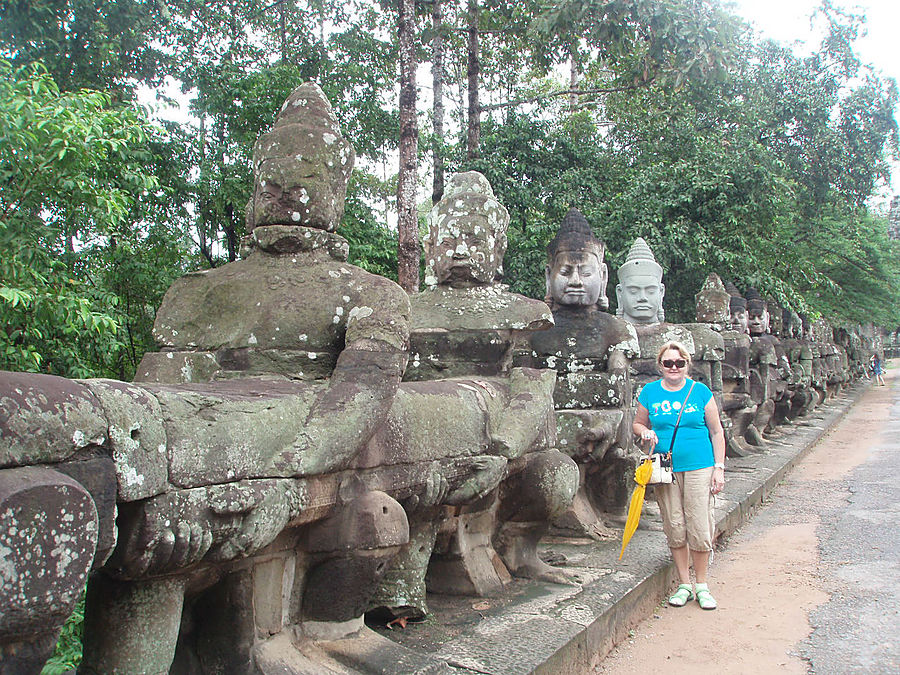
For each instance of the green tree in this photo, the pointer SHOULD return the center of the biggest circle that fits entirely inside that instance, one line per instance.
(71, 168)
(98, 44)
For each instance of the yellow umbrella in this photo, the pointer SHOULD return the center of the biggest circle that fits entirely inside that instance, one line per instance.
(641, 477)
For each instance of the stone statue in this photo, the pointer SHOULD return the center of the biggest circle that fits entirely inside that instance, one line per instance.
(258, 463)
(291, 390)
(591, 351)
(737, 307)
(640, 294)
(800, 356)
(763, 362)
(722, 305)
(784, 391)
(640, 290)
(466, 326)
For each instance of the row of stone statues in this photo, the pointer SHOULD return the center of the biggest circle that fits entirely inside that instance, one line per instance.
(311, 444)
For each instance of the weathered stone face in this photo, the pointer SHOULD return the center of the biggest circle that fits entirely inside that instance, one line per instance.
(713, 301)
(302, 166)
(576, 278)
(740, 321)
(640, 298)
(575, 274)
(757, 313)
(467, 234)
(758, 321)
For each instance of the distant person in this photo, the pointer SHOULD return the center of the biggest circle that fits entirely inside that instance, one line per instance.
(698, 460)
(878, 369)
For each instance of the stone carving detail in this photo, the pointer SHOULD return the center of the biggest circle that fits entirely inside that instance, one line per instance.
(466, 326)
(738, 405)
(718, 307)
(591, 352)
(768, 365)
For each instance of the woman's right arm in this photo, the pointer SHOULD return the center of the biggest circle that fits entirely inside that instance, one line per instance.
(641, 427)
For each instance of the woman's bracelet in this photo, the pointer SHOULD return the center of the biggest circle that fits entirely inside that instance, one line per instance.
(719, 465)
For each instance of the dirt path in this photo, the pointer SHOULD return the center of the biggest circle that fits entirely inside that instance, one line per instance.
(765, 577)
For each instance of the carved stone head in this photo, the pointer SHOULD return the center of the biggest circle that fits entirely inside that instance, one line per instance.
(466, 234)
(805, 327)
(576, 275)
(640, 290)
(775, 311)
(737, 307)
(713, 301)
(792, 328)
(757, 313)
(301, 167)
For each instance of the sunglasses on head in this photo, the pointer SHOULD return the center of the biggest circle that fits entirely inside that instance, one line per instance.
(674, 363)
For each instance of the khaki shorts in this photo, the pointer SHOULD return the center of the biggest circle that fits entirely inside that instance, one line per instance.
(687, 508)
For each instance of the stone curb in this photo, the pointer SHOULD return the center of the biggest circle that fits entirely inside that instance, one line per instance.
(552, 629)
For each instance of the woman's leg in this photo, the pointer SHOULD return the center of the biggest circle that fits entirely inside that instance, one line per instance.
(700, 560)
(682, 556)
(699, 519)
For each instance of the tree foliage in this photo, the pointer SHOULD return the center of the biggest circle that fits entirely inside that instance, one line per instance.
(667, 120)
(73, 174)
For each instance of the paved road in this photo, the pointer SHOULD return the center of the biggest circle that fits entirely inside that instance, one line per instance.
(858, 629)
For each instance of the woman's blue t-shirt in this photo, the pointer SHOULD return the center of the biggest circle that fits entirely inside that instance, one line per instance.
(693, 447)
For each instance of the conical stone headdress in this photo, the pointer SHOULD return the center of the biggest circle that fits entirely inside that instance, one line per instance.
(309, 160)
(576, 236)
(640, 260)
(737, 303)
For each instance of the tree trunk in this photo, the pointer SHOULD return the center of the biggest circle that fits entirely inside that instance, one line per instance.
(407, 221)
(437, 70)
(231, 238)
(473, 137)
(573, 80)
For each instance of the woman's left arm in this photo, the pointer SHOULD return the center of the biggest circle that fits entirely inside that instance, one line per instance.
(717, 436)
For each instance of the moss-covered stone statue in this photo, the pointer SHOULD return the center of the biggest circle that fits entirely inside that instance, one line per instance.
(766, 364)
(722, 306)
(800, 357)
(297, 357)
(591, 351)
(466, 326)
(241, 500)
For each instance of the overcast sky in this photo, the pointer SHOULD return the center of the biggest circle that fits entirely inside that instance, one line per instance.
(788, 21)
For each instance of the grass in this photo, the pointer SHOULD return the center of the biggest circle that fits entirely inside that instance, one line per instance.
(67, 655)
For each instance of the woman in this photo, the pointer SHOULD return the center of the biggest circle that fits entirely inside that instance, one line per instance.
(878, 369)
(698, 460)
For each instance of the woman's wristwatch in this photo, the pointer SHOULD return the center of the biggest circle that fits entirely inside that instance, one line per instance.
(719, 465)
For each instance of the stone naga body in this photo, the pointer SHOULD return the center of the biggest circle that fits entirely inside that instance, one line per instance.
(243, 499)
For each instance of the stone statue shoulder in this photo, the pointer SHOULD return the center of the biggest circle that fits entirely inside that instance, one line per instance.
(585, 335)
(709, 345)
(444, 308)
(653, 336)
(293, 290)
